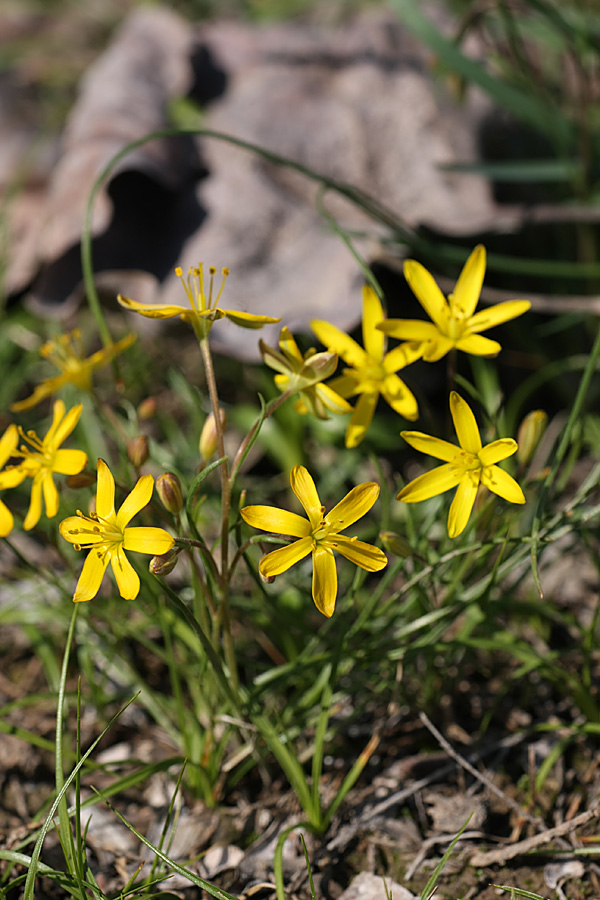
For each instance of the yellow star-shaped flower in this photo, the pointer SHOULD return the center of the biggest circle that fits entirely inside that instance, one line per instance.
(65, 354)
(466, 467)
(107, 536)
(371, 371)
(10, 477)
(319, 534)
(454, 321)
(42, 458)
(203, 309)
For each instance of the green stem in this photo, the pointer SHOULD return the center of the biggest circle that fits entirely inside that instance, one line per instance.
(63, 813)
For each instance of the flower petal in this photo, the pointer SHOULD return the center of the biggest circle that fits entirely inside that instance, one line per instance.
(304, 488)
(373, 339)
(8, 444)
(275, 360)
(346, 385)
(465, 424)
(154, 541)
(496, 315)
(409, 330)
(400, 398)
(461, 506)
(324, 583)
(50, 495)
(367, 556)
(432, 446)
(248, 320)
(282, 559)
(339, 342)
(361, 418)
(105, 491)
(6, 520)
(289, 346)
(433, 351)
(81, 531)
(12, 476)
(500, 482)
(63, 429)
(497, 451)
(465, 296)
(35, 504)
(58, 411)
(402, 355)
(69, 462)
(430, 484)
(139, 497)
(478, 345)
(91, 576)
(354, 506)
(153, 310)
(424, 287)
(279, 521)
(332, 400)
(45, 389)
(126, 577)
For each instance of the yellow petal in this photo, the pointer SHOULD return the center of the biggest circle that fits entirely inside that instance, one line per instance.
(402, 401)
(50, 495)
(71, 530)
(126, 577)
(105, 491)
(35, 504)
(364, 555)
(139, 497)
(433, 351)
(304, 488)
(478, 345)
(427, 292)
(353, 507)
(361, 418)
(497, 451)
(465, 424)
(500, 482)
(69, 462)
(91, 576)
(279, 521)
(461, 506)
(339, 342)
(430, 484)
(155, 541)
(153, 310)
(496, 315)
(61, 430)
(332, 400)
(58, 411)
(289, 346)
(8, 444)
(45, 389)
(346, 385)
(324, 585)
(107, 353)
(12, 476)
(409, 330)
(465, 296)
(282, 559)
(249, 320)
(6, 520)
(373, 339)
(403, 355)
(430, 445)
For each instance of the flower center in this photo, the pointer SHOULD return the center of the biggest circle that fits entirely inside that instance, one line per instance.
(467, 462)
(95, 525)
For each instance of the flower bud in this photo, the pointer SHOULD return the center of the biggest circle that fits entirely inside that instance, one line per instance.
(164, 564)
(168, 488)
(137, 450)
(395, 544)
(208, 438)
(530, 433)
(81, 480)
(147, 408)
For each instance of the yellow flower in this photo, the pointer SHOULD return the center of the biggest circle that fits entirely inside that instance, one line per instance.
(454, 321)
(304, 374)
(466, 466)
(42, 458)
(106, 535)
(372, 370)
(66, 355)
(203, 310)
(319, 535)
(10, 477)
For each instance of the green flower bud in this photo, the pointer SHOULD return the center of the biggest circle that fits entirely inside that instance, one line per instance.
(137, 450)
(168, 488)
(164, 564)
(208, 438)
(530, 433)
(396, 544)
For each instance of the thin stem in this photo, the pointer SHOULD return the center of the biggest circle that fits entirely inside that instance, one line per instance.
(251, 436)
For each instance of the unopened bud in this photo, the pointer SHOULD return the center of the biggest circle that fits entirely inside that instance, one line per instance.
(208, 438)
(81, 480)
(164, 564)
(137, 450)
(168, 488)
(530, 433)
(396, 544)
(147, 408)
